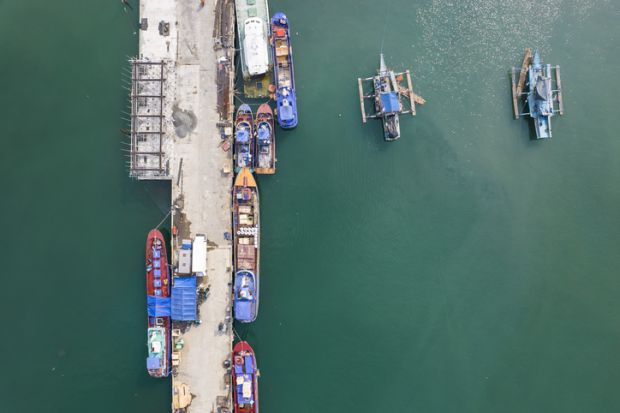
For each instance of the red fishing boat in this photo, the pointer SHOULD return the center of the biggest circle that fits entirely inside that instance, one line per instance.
(265, 153)
(158, 305)
(245, 378)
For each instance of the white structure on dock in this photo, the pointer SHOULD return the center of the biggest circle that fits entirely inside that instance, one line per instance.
(181, 94)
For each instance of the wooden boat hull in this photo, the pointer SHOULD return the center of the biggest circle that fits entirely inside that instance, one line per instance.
(245, 379)
(265, 153)
(246, 245)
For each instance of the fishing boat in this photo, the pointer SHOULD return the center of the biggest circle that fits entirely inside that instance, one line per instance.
(246, 232)
(245, 379)
(244, 138)
(286, 101)
(265, 153)
(543, 93)
(390, 98)
(540, 97)
(253, 29)
(158, 305)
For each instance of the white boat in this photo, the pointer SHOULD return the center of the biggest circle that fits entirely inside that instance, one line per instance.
(255, 46)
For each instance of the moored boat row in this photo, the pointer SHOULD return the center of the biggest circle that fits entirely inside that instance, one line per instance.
(255, 151)
(255, 140)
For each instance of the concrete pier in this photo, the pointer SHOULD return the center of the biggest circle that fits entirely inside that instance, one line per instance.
(196, 46)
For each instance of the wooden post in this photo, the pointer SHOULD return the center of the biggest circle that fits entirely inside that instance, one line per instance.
(361, 92)
(559, 86)
(515, 96)
(411, 94)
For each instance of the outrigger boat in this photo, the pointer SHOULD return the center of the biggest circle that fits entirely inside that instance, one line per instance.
(244, 138)
(265, 141)
(245, 379)
(158, 305)
(542, 98)
(246, 233)
(286, 100)
(387, 99)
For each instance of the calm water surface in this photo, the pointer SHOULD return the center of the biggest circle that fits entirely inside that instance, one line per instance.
(464, 268)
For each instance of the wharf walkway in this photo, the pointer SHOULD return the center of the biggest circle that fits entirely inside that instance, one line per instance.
(195, 44)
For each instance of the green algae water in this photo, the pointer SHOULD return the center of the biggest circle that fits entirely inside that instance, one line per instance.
(464, 268)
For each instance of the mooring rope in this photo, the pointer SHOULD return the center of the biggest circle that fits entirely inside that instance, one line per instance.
(162, 221)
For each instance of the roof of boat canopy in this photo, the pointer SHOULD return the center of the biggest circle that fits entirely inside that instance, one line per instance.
(286, 112)
(264, 131)
(158, 306)
(242, 135)
(389, 102)
(542, 87)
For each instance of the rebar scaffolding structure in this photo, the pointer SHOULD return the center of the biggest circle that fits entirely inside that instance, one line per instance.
(147, 156)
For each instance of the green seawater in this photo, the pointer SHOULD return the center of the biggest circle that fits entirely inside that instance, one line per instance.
(464, 268)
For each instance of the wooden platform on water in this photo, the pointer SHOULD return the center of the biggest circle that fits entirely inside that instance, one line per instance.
(257, 87)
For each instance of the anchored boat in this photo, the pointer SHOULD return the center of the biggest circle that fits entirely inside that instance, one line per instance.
(245, 379)
(158, 305)
(387, 99)
(543, 99)
(286, 101)
(246, 232)
(244, 138)
(253, 28)
(265, 141)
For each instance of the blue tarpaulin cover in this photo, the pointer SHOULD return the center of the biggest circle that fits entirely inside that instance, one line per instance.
(243, 135)
(286, 112)
(184, 299)
(263, 133)
(158, 306)
(389, 101)
(152, 363)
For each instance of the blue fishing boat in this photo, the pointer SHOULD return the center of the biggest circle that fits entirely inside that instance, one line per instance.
(286, 101)
(246, 296)
(244, 138)
(541, 95)
(246, 247)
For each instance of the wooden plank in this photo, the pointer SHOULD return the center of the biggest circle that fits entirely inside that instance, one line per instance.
(527, 58)
(411, 94)
(361, 92)
(417, 98)
(515, 96)
(559, 86)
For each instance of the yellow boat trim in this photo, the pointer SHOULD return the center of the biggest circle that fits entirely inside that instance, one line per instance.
(245, 178)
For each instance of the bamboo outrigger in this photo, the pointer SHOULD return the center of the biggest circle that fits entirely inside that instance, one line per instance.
(387, 99)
